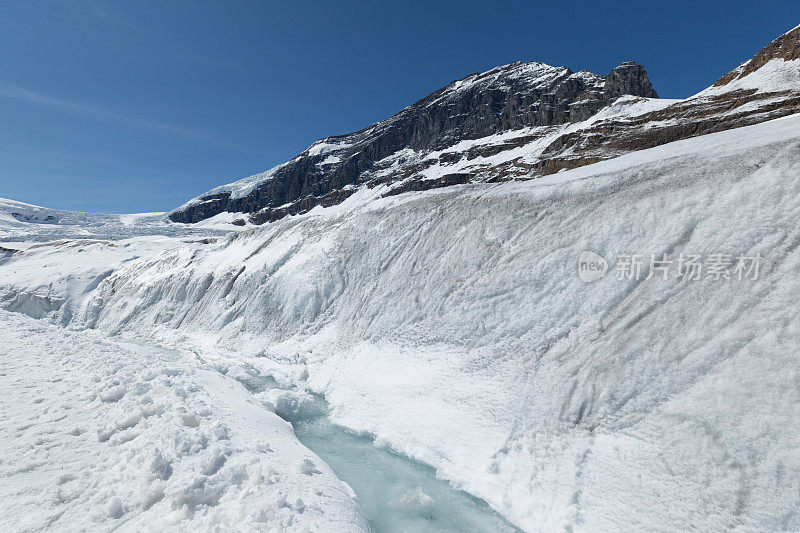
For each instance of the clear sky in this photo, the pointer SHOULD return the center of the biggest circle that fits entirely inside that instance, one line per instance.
(113, 106)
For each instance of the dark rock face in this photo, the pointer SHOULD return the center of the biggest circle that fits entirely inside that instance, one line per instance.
(719, 110)
(428, 144)
(628, 78)
(506, 98)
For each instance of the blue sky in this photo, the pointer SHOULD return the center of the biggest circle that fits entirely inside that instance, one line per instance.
(113, 106)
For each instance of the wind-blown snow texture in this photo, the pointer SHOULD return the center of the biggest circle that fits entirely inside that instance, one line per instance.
(452, 325)
(98, 435)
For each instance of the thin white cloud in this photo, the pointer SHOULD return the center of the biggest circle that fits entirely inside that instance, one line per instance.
(15, 92)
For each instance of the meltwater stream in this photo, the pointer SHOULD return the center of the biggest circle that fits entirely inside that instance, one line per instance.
(396, 494)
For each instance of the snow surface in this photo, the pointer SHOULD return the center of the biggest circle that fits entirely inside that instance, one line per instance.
(99, 435)
(777, 75)
(239, 188)
(631, 107)
(25, 222)
(323, 147)
(330, 160)
(452, 326)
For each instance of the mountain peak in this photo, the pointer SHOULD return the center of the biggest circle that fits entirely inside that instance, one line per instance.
(513, 97)
(785, 48)
(515, 121)
(629, 78)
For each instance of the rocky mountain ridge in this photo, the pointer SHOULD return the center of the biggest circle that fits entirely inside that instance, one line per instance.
(517, 121)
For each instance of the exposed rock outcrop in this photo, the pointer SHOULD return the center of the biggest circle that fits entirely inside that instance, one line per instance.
(520, 95)
(768, 87)
(517, 121)
(786, 47)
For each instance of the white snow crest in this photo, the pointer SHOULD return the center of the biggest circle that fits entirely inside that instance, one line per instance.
(323, 147)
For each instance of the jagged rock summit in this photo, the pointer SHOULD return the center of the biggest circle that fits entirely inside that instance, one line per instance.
(517, 121)
(510, 97)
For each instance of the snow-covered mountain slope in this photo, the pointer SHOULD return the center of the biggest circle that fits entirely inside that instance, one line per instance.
(507, 98)
(518, 121)
(453, 326)
(100, 435)
(25, 222)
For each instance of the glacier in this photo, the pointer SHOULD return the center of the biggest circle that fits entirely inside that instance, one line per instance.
(451, 327)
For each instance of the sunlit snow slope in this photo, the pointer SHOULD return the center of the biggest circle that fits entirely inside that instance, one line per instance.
(453, 326)
(100, 436)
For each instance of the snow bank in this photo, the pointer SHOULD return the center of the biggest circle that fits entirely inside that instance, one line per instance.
(98, 435)
(452, 325)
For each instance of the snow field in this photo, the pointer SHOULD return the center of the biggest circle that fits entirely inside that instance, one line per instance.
(98, 435)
